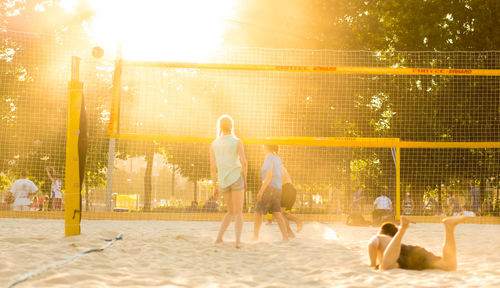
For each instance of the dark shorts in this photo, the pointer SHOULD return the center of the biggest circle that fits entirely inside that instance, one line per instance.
(416, 258)
(270, 202)
(288, 196)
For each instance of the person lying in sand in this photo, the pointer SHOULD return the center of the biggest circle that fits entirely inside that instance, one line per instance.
(387, 252)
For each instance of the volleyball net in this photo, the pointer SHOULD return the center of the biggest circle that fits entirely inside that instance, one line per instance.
(419, 127)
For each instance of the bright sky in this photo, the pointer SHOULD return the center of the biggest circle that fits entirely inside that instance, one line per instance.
(159, 30)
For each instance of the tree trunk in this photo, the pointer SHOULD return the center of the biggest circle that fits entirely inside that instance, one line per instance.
(110, 174)
(87, 194)
(417, 192)
(310, 199)
(345, 188)
(482, 191)
(497, 204)
(195, 190)
(173, 180)
(440, 197)
(147, 180)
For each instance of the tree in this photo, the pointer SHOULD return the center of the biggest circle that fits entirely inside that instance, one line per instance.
(38, 38)
(424, 108)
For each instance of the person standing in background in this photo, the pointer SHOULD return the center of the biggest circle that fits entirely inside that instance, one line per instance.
(474, 198)
(381, 206)
(454, 206)
(55, 188)
(408, 204)
(22, 190)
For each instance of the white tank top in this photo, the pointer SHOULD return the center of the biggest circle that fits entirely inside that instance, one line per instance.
(227, 159)
(56, 189)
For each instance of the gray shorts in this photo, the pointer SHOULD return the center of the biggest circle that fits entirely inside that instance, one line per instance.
(236, 186)
(270, 202)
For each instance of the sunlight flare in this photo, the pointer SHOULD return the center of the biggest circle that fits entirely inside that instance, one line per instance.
(330, 234)
(150, 30)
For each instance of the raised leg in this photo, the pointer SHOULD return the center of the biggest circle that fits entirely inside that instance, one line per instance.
(449, 261)
(393, 250)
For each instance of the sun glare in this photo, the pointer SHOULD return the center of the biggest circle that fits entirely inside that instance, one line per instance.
(330, 234)
(159, 30)
(67, 5)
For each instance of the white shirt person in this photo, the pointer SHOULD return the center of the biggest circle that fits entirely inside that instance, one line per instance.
(383, 203)
(55, 188)
(22, 190)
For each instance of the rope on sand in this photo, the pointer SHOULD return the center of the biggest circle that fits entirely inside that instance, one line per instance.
(62, 262)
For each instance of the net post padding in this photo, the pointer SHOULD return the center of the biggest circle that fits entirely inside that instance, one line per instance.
(72, 205)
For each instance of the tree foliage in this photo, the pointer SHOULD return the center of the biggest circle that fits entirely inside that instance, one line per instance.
(420, 108)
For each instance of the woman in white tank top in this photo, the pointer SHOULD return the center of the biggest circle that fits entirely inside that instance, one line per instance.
(55, 188)
(228, 162)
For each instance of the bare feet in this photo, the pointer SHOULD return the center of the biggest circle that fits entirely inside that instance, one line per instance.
(290, 234)
(300, 223)
(238, 245)
(451, 222)
(404, 222)
(217, 241)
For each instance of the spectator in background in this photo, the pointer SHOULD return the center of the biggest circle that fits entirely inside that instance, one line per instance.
(210, 206)
(474, 198)
(381, 207)
(113, 200)
(41, 200)
(454, 206)
(356, 217)
(55, 188)
(487, 207)
(22, 190)
(193, 207)
(38, 201)
(407, 204)
(430, 205)
(357, 197)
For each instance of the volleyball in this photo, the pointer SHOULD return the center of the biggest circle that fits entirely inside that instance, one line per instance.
(97, 52)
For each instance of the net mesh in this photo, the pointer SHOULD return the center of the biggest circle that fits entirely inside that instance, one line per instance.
(172, 177)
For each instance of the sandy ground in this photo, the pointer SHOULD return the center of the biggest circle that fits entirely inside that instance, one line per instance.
(182, 254)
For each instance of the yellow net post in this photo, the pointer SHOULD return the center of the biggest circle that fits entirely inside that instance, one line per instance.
(115, 94)
(398, 183)
(72, 205)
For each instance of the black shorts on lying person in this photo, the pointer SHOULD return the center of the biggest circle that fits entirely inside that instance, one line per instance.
(416, 258)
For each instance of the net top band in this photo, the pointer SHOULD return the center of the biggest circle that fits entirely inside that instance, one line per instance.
(315, 69)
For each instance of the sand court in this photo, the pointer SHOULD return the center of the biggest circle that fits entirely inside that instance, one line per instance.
(182, 254)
